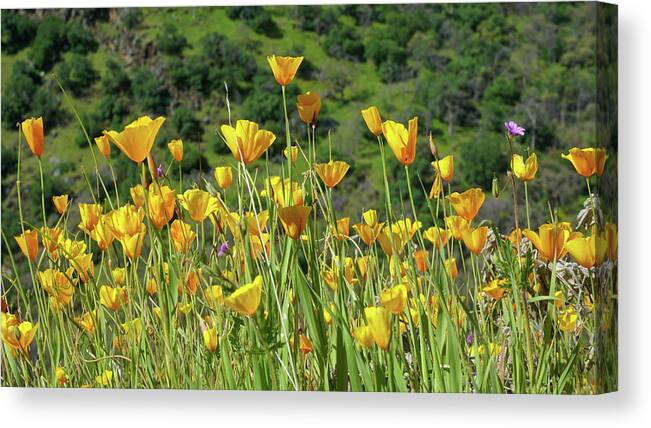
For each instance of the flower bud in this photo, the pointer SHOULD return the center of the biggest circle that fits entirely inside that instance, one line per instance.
(432, 145)
(495, 186)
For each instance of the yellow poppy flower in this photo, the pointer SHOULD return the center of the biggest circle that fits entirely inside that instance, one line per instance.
(368, 234)
(102, 233)
(588, 251)
(421, 257)
(445, 167)
(182, 236)
(284, 68)
(515, 237)
(456, 225)
(224, 176)
(191, 283)
(112, 297)
(406, 228)
(176, 149)
(328, 313)
(331, 173)
(525, 170)
(119, 275)
(89, 214)
(475, 239)
(50, 239)
(210, 339)
(87, 321)
(247, 141)
(33, 132)
(59, 285)
(161, 203)
(550, 240)
(214, 296)
(343, 228)
(17, 335)
(394, 299)
(391, 242)
(304, 344)
(468, 203)
(28, 243)
(309, 106)
(373, 120)
(567, 320)
(379, 322)
(60, 203)
(451, 267)
(129, 229)
(103, 145)
(401, 140)
(152, 286)
(60, 376)
(363, 336)
(294, 219)
(137, 138)
(293, 151)
(587, 162)
(437, 236)
(199, 204)
(494, 290)
(105, 378)
(282, 190)
(246, 299)
(138, 195)
(437, 187)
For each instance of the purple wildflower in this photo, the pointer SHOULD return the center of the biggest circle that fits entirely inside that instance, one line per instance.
(514, 129)
(159, 171)
(223, 249)
(469, 340)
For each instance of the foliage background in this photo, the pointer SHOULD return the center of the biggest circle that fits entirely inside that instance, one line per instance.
(462, 68)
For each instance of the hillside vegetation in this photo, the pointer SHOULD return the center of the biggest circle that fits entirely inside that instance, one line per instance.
(463, 69)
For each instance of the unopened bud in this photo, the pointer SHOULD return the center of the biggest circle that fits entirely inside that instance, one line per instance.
(495, 187)
(432, 145)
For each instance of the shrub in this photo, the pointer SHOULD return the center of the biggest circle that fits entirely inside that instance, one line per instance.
(50, 42)
(482, 157)
(115, 79)
(112, 110)
(170, 41)
(132, 18)
(17, 96)
(148, 92)
(9, 161)
(192, 158)
(258, 18)
(80, 39)
(77, 74)
(18, 30)
(318, 20)
(343, 41)
(187, 124)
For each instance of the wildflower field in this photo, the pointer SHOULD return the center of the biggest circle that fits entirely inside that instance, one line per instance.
(250, 276)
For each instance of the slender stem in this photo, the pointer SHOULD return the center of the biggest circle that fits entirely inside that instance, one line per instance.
(40, 170)
(289, 143)
(526, 202)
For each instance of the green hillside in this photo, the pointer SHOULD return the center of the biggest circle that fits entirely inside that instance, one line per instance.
(463, 69)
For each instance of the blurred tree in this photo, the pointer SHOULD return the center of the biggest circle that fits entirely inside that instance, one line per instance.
(18, 30)
(187, 124)
(77, 74)
(79, 38)
(169, 41)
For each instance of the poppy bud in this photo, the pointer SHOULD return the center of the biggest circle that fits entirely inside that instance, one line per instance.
(496, 187)
(432, 145)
